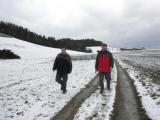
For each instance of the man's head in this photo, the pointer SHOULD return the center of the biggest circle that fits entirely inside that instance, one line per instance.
(63, 50)
(104, 47)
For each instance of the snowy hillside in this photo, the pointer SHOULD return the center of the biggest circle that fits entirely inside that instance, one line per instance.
(28, 90)
(29, 50)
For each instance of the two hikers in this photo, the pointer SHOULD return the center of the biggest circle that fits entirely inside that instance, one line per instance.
(63, 65)
(104, 64)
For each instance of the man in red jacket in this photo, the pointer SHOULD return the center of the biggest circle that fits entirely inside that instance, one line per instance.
(104, 64)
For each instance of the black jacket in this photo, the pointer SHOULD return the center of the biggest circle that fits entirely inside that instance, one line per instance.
(63, 64)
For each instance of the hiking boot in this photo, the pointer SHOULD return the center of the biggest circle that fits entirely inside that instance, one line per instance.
(64, 91)
(101, 91)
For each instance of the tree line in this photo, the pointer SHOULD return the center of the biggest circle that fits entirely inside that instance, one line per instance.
(26, 35)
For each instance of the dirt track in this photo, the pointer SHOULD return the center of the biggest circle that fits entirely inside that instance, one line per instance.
(68, 112)
(126, 106)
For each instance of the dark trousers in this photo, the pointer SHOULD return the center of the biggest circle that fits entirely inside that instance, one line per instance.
(101, 78)
(62, 79)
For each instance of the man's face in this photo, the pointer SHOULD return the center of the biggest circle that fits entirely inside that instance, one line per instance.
(63, 50)
(104, 47)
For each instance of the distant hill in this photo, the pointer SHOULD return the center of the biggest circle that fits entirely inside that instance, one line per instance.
(24, 34)
(27, 50)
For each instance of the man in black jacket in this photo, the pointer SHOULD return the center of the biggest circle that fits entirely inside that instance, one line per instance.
(63, 65)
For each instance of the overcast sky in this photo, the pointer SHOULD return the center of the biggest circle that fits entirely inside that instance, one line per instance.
(119, 23)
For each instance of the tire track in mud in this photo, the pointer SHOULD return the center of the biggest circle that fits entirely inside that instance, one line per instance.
(126, 105)
(69, 110)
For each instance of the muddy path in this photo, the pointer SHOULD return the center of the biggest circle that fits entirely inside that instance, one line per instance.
(126, 105)
(69, 111)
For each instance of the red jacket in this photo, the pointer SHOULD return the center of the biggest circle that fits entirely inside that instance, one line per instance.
(104, 61)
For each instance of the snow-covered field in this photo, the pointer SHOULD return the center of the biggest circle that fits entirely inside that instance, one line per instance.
(28, 90)
(27, 87)
(144, 68)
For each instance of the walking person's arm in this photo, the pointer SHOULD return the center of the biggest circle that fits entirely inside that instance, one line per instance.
(96, 63)
(112, 61)
(55, 63)
(70, 65)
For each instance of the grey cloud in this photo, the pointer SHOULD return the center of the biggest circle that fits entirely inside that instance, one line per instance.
(137, 26)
